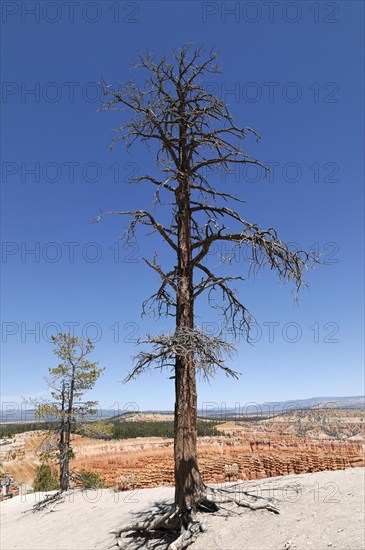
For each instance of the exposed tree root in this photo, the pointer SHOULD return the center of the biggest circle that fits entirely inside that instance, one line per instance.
(186, 524)
(188, 535)
(49, 499)
(223, 496)
(169, 520)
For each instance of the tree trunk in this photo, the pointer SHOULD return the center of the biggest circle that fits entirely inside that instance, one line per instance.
(65, 457)
(65, 440)
(64, 468)
(63, 460)
(188, 482)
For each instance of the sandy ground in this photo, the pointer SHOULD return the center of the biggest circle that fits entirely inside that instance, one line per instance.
(317, 511)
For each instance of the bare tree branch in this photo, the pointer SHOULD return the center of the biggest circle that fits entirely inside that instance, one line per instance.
(145, 218)
(208, 352)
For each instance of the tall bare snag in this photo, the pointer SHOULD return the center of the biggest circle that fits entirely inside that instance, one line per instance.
(195, 135)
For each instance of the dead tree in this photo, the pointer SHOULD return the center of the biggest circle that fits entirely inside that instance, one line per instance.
(194, 133)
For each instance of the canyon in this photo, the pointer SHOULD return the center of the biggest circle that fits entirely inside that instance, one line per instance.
(295, 443)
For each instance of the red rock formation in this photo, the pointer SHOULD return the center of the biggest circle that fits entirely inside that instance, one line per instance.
(152, 466)
(276, 447)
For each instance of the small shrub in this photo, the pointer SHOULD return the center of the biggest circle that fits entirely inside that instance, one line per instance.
(125, 483)
(46, 479)
(91, 480)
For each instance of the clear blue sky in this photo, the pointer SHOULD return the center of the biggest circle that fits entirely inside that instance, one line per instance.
(291, 70)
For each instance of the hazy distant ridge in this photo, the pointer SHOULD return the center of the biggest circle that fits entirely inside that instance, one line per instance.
(8, 414)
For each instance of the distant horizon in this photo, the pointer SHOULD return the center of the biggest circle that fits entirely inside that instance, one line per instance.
(14, 410)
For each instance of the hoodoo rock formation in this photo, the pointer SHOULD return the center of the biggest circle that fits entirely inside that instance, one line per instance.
(245, 450)
(151, 464)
